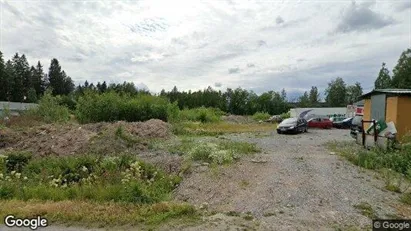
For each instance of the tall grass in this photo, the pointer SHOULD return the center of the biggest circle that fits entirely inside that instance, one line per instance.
(123, 178)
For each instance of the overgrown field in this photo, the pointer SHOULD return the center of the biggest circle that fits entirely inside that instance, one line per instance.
(93, 165)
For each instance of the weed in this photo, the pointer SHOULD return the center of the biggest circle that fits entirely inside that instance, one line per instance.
(366, 210)
(244, 184)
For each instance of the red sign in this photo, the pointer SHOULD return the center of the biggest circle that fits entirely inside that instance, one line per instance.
(359, 111)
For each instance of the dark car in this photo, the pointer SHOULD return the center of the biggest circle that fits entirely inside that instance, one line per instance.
(292, 125)
(344, 124)
(356, 126)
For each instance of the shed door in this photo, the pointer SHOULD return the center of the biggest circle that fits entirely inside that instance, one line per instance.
(378, 107)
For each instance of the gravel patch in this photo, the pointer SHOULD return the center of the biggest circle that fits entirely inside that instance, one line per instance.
(295, 183)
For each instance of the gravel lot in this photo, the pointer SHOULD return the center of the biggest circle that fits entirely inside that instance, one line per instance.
(295, 183)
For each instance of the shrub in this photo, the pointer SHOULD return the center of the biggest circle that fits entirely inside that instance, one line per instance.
(50, 110)
(285, 115)
(111, 106)
(202, 114)
(261, 116)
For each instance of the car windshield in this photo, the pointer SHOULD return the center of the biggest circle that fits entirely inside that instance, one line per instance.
(345, 120)
(289, 121)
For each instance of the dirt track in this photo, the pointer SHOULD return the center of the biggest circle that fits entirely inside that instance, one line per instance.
(294, 184)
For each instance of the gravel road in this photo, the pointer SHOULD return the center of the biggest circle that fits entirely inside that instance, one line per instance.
(294, 184)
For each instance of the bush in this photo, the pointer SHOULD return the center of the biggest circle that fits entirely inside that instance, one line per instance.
(202, 114)
(111, 106)
(50, 110)
(261, 116)
(285, 115)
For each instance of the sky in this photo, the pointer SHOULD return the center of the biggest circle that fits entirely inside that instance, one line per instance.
(256, 45)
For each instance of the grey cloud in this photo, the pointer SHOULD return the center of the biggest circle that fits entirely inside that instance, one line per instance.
(12, 9)
(233, 70)
(361, 18)
(218, 84)
(261, 43)
(284, 25)
(150, 25)
(402, 6)
(279, 20)
(249, 65)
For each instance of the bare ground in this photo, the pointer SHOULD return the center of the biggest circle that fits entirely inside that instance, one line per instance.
(294, 184)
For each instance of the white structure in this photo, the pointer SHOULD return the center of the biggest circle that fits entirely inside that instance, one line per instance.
(320, 111)
(15, 107)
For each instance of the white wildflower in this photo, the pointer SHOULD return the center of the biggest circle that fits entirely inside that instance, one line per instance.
(84, 169)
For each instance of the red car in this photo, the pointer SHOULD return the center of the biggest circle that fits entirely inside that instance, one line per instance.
(320, 123)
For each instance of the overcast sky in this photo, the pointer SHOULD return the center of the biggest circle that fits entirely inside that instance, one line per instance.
(264, 45)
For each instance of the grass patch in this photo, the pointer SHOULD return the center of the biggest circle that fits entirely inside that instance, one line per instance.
(123, 178)
(99, 214)
(397, 160)
(201, 114)
(366, 210)
(213, 129)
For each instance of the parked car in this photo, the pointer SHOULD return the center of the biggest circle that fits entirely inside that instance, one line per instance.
(356, 126)
(320, 123)
(292, 125)
(345, 123)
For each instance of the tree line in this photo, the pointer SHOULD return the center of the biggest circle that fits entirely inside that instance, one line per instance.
(21, 83)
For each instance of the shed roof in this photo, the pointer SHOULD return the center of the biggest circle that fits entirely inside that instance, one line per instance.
(387, 91)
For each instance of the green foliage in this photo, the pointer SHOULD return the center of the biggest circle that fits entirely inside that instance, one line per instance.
(353, 93)
(383, 80)
(50, 110)
(93, 178)
(402, 71)
(314, 97)
(396, 160)
(202, 114)
(304, 100)
(261, 116)
(285, 115)
(336, 89)
(111, 106)
(6, 111)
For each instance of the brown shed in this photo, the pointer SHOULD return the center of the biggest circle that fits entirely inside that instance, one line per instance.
(389, 105)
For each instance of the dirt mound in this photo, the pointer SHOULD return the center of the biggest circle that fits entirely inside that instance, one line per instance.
(153, 128)
(69, 139)
(49, 139)
(237, 119)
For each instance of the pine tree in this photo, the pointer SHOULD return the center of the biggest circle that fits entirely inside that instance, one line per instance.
(383, 80)
(58, 80)
(3, 79)
(9, 78)
(38, 80)
(314, 96)
(20, 70)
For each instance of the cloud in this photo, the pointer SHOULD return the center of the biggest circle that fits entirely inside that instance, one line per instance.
(362, 18)
(402, 6)
(190, 44)
(261, 43)
(218, 85)
(279, 20)
(233, 70)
